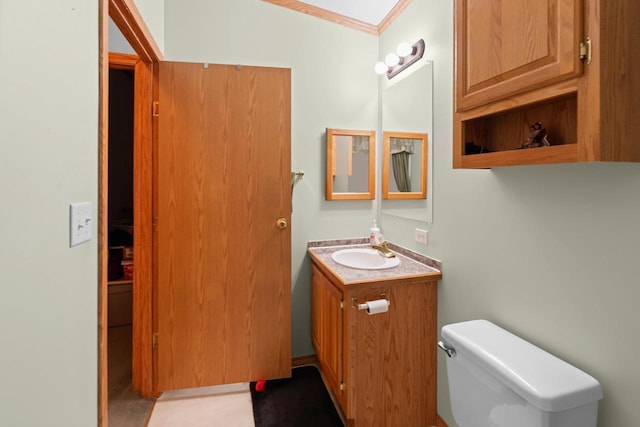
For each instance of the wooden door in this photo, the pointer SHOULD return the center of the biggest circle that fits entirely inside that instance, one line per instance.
(506, 47)
(223, 266)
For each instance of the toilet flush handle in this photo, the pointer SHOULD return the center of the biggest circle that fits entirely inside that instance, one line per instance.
(451, 352)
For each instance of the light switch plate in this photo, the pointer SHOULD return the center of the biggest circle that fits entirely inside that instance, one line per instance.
(80, 223)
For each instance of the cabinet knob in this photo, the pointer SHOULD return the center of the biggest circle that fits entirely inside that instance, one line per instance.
(281, 223)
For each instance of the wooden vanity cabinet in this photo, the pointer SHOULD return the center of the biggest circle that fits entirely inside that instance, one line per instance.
(571, 65)
(382, 367)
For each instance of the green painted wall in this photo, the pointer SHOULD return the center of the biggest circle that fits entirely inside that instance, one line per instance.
(49, 158)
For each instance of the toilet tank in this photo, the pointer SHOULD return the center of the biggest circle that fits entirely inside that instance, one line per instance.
(497, 379)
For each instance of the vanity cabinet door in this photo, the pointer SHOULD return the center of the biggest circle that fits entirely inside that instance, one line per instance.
(326, 328)
(507, 47)
(393, 356)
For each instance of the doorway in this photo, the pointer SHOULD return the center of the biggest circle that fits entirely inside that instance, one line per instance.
(127, 17)
(262, 211)
(126, 407)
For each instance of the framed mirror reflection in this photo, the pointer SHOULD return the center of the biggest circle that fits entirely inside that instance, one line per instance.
(350, 164)
(404, 165)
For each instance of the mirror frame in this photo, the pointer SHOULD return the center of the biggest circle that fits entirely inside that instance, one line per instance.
(330, 194)
(386, 158)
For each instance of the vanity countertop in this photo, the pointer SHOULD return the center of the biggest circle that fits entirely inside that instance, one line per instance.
(412, 264)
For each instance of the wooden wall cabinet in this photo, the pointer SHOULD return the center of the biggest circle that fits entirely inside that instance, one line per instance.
(381, 368)
(571, 65)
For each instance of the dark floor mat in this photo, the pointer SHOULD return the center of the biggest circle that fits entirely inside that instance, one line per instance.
(299, 401)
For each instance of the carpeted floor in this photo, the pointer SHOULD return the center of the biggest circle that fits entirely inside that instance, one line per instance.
(126, 407)
(299, 401)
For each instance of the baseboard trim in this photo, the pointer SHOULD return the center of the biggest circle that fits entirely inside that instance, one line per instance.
(311, 359)
(440, 422)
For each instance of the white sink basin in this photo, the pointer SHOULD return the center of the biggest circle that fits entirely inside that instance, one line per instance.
(364, 258)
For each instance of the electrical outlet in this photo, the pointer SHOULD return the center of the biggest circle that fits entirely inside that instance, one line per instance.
(80, 224)
(422, 236)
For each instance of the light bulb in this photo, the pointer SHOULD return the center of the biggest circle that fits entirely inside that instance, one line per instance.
(404, 49)
(381, 68)
(392, 60)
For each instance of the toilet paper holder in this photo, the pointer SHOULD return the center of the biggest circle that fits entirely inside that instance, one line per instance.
(363, 306)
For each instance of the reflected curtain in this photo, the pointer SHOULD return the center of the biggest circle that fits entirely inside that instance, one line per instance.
(400, 162)
(401, 150)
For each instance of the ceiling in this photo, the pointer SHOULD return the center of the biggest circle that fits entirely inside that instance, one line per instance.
(370, 11)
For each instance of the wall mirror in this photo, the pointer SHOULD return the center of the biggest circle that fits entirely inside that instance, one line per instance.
(404, 165)
(350, 164)
(407, 106)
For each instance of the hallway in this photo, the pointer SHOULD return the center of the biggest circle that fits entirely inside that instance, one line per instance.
(126, 407)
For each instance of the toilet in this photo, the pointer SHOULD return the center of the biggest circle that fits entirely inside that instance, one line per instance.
(497, 379)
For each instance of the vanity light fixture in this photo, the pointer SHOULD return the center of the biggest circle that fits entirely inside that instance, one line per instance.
(391, 60)
(404, 56)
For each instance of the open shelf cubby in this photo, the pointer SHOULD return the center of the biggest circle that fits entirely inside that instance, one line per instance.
(496, 139)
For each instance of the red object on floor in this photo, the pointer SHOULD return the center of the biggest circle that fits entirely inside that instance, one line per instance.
(260, 385)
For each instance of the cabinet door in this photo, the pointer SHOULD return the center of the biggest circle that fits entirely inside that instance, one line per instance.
(326, 327)
(505, 47)
(393, 357)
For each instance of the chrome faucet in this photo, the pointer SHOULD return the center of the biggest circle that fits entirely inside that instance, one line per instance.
(383, 248)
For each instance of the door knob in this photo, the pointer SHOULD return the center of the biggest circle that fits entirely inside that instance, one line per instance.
(281, 223)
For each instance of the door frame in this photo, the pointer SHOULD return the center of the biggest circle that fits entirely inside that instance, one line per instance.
(142, 180)
(126, 16)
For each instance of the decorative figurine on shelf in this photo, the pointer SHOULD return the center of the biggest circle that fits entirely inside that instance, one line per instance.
(537, 137)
